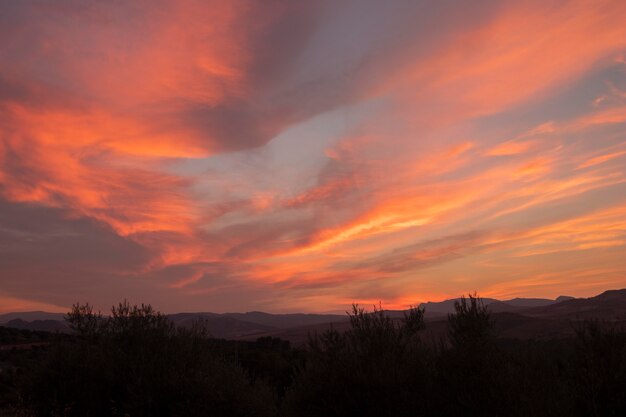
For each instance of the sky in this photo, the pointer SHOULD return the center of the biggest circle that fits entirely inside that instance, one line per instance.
(303, 155)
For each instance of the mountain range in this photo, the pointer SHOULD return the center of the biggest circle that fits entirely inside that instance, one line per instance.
(518, 317)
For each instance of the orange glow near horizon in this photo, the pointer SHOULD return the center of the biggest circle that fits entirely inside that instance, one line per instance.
(203, 155)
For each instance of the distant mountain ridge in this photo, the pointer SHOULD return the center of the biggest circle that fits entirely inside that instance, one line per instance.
(610, 305)
(521, 318)
(531, 315)
(225, 325)
(31, 316)
(236, 325)
(38, 325)
(447, 306)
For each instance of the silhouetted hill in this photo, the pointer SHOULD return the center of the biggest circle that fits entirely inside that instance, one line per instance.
(285, 321)
(534, 302)
(507, 325)
(31, 316)
(300, 335)
(447, 306)
(238, 325)
(220, 326)
(522, 318)
(502, 307)
(38, 325)
(610, 305)
(281, 321)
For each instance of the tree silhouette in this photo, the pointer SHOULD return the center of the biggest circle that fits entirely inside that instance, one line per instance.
(136, 362)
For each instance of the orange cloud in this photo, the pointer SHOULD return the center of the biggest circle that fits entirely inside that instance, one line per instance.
(423, 160)
(601, 159)
(511, 148)
(519, 54)
(10, 304)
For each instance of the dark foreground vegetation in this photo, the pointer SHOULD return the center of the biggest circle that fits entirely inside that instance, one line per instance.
(135, 362)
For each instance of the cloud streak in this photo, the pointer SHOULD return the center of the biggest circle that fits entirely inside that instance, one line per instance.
(303, 155)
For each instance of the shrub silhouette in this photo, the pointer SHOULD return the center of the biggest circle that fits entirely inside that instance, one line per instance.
(136, 362)
(471, 325)
(471, 374)
(600, 369)
(374, 368)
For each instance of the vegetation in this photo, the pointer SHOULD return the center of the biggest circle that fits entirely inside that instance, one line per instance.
(135, 362)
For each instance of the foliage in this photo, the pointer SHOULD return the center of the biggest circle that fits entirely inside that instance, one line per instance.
(374, 368)
(471, 325)
(600, 378)
(135, 362)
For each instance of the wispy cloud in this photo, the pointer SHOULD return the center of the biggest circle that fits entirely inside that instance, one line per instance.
(282, 155)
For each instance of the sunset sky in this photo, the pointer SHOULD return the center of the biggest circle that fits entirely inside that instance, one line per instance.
(303, 155)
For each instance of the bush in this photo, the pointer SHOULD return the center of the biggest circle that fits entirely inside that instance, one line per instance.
(471, 377)
(375, 368)
(599, 380)
(136, 362)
